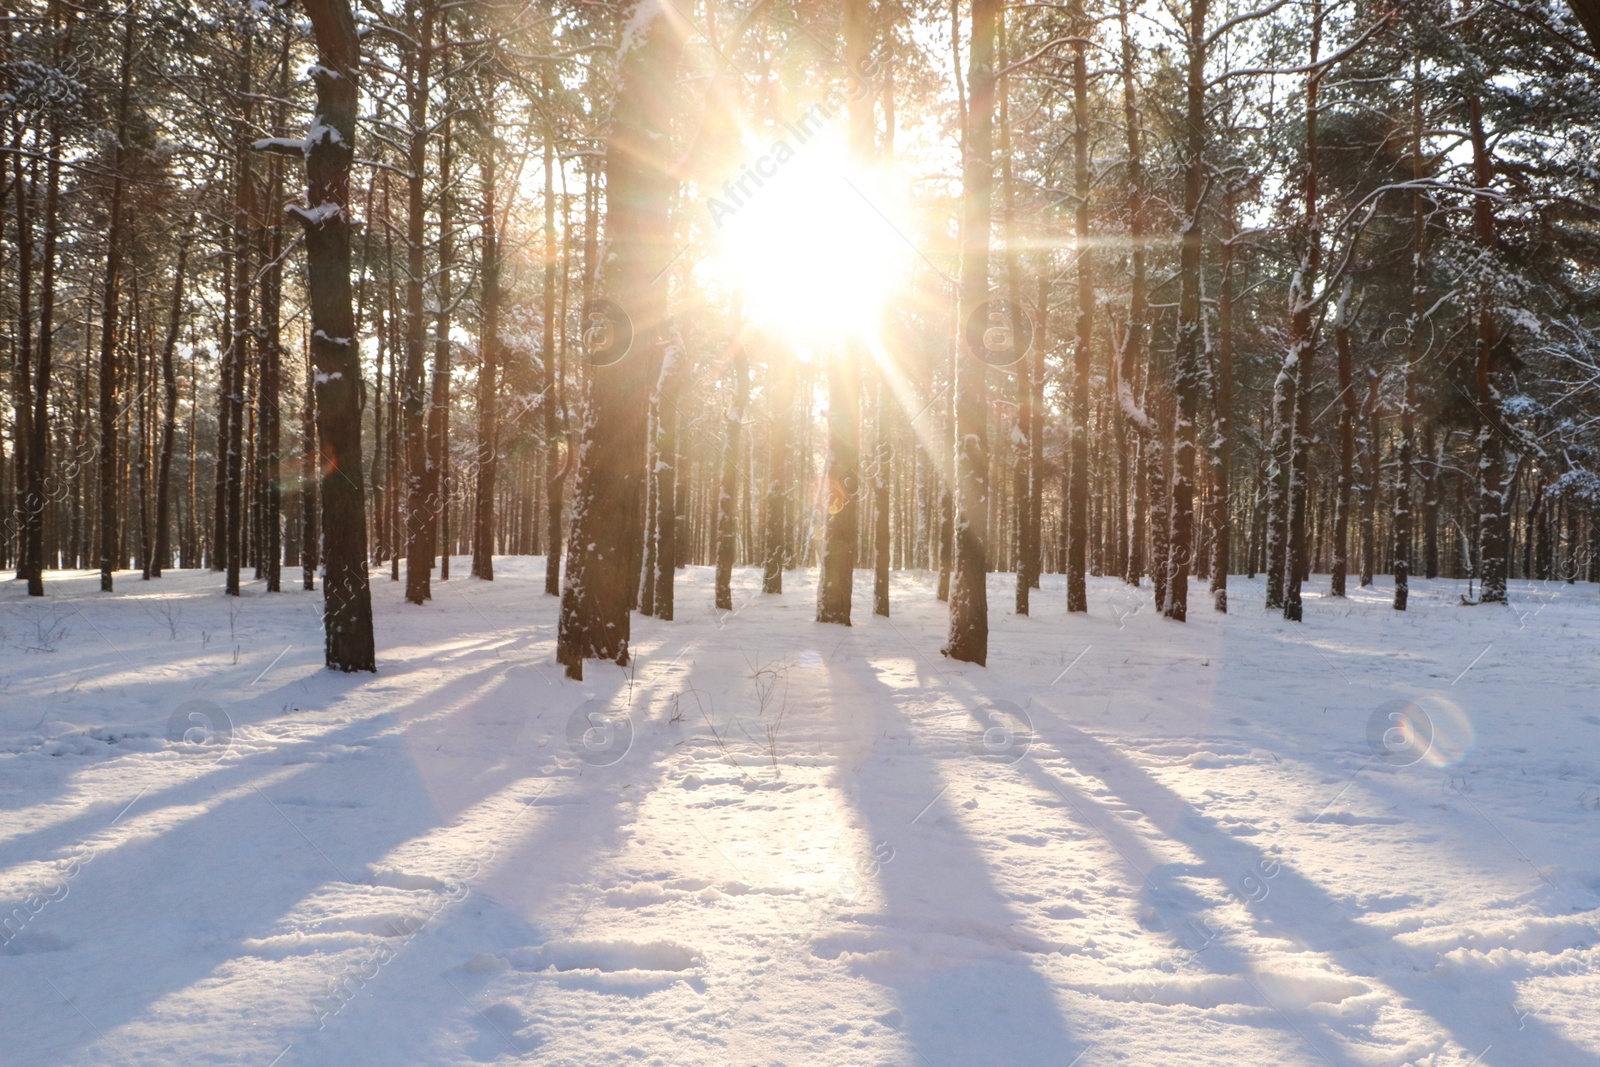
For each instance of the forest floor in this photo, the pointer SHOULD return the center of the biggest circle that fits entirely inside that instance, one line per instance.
(1372, 838)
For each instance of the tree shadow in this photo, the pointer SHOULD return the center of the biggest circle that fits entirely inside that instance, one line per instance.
(1288, 905)
(291, 827)
(945, 939)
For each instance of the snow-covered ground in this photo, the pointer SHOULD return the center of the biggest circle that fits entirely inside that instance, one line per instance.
(1373, 838)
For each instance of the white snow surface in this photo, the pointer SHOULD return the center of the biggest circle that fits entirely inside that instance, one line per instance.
(1126, 841)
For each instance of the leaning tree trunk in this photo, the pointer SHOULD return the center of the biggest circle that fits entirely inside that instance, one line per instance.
(605, 534)
(969, 601)
(335, 354)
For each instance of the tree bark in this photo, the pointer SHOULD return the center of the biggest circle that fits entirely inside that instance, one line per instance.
(110, 552)
(728, 490)
(669, 460)
(38, 450)
(555, 473)
(1078, 474)
(1493, 510)
(1187, 376)
(1302, 350)
(169, 402)
(1222, 404)
(969, 602)
(347, 600)
(1348, 411)
(435, 476)
(488, 365)
(605, 533)
(418, 510)
(775, 521)
(1367, 491)
(1408, 402)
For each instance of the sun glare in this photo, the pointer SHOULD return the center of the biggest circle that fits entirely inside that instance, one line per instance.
(804, 237)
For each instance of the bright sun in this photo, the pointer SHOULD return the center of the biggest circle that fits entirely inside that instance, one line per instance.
(811, 248)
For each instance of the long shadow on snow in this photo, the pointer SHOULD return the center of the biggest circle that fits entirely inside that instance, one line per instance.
(177, 940)
(425, 999)
(203, 777)
(1288, 909)
(968, 992)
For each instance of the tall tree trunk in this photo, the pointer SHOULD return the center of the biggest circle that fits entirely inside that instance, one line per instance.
(841, 523)
(605, 534)
(269, 427)
(728, 491)
(666, 472)
(1434, 451)
(554, 472)
(1222, 418)
(1131, 358)
(969, 601)
(230, 523)
(646, 584)
(1187, 375)
(488, 368)
(775, 520)
(1078, 487)
(39, 425)
(270, 424)
(418, 506)
(110, 552)
(1036, 426)
(1408, 402)
(1303, 349)
(137, 471)
(335, 353)
(30, 502)
(1158, 486)
(1021, 440)
(1493, 509)
(169, 401)
(310, 511)
(1348, 410)
(435, 475)
(883, 467)
(1367, 491)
